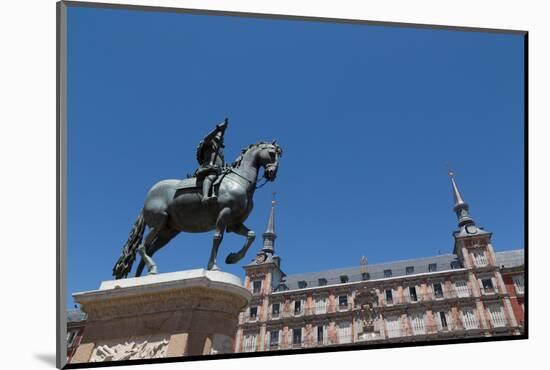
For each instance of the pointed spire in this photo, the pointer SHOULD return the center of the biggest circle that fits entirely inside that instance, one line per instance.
(456, 193)
(461, 208)
(269, 234)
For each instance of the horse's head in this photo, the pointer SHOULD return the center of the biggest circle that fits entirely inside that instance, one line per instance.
(268, 155)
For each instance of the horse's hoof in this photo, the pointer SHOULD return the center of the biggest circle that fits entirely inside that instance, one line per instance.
(153, 272)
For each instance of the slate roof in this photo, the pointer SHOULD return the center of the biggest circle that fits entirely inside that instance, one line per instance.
(443, 262)
(511, 258)
(74, 316)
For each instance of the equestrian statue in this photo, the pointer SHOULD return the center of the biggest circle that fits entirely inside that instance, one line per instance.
(218, 197)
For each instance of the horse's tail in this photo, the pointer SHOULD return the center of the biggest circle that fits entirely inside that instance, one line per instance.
(126, 260)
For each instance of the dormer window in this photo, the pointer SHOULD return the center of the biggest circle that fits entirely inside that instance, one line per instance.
(302, 284)
(409, 270)
(322, 281)
(387, 273)
(365, 276)
(455, 265)
(344, 278)
(432, 267)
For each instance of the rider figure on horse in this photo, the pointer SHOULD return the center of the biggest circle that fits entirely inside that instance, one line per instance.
(210, 158)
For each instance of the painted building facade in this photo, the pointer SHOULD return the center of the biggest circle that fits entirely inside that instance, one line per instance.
(473, 292)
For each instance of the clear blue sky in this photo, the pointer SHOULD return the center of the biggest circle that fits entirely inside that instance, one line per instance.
(382, 110)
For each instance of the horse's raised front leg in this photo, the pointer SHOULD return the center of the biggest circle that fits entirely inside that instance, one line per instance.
(241, 229)
(221, 224)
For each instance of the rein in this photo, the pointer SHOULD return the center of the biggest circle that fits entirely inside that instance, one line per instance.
(249, 181)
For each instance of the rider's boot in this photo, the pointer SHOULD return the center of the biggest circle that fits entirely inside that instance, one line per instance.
(206, 184)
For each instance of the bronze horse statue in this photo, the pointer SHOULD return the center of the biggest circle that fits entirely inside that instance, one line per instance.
(173, 206)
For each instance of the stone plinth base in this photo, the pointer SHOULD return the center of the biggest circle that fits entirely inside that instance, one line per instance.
(183, 313)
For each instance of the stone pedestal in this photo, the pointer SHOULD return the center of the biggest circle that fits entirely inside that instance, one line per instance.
(182, 313)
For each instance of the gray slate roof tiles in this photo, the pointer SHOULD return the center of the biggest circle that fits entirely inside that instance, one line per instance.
(74, 316)
(398, 268)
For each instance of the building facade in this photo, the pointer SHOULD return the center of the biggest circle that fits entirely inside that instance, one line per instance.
(76, 321)
(473, 292)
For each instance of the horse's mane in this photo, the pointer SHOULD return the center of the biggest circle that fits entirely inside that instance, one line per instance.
(239, 159)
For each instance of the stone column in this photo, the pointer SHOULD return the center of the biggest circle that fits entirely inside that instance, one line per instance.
(191, 312)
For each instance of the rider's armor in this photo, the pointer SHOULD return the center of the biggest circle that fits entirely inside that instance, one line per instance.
(210, 158)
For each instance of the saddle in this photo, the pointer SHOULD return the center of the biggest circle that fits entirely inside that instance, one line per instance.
(195, 182)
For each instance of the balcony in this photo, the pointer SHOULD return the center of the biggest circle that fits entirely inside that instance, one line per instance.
(488, 291)
(344, 307)
(250, 318)
(274, 315)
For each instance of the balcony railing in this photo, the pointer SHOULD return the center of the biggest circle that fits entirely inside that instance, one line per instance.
(274, 315)
(426, 297)
(344, 307)
(292, 313)
(488, 291)
(250, 318)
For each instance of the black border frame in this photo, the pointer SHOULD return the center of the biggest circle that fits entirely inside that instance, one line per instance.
(61, 144)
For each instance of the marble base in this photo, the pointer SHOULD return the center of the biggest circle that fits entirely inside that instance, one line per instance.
(191, 312)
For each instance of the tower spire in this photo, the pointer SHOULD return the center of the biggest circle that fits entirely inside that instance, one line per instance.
(461, 208)
(269, 234)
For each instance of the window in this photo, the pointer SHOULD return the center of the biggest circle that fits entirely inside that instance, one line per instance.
(438, 290)
(297, 307)
(365, 276)
(344, 278)
(275, 307)
(480, 259)
(250, 342)
(322, 281)
(296, 336)
(455, 265)
(519, 284)
(274, 338)
(417, 323)
(256, 286)
(253, 313)
(469, 319)
(432, 267)
(70, 338)
(389, 296)
(344, 332)
(412, 294)
(393, 326)
(409, 270)
(302, 284)
(387, 273)
(320, 334)
(461, 287)
(343, 301)
(497, 315)
(321, 305)
(442, 320)
(487, 286)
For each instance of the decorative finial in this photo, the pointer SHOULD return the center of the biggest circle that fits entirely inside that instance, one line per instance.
(450, 171)
(273, 198)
